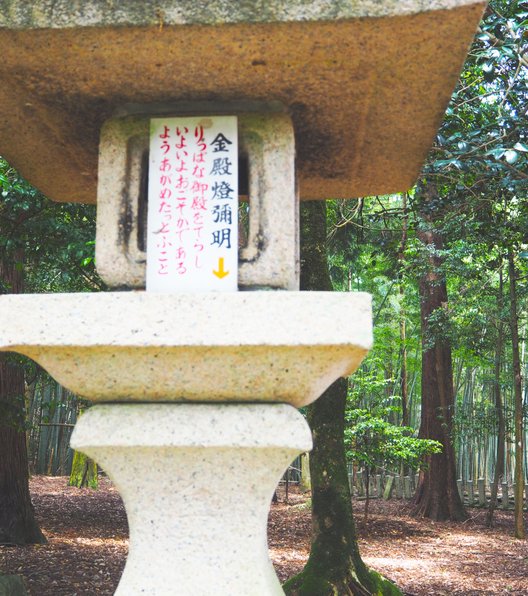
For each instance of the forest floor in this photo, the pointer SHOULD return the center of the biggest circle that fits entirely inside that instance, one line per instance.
(87, 545)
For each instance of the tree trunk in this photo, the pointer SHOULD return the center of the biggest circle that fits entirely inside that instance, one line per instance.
(335, 565)
(17, 520)
(367, 495)
(501, 427)
(403, 331)
(517, 387)
(84, 472)
(437, 494)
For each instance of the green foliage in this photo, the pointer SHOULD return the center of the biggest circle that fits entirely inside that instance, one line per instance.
(370, 385)
(51, 243)
(481, 138)
(373, 442)
(479, 168)
(84, 472)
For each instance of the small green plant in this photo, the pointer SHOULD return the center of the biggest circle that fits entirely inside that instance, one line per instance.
(372, 442)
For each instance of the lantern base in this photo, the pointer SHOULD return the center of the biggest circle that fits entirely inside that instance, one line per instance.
(197, 482)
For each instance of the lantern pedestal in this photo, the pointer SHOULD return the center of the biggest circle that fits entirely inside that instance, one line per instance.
(197, 482)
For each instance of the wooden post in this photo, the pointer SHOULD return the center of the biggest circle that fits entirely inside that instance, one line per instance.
(399, 488)
(359, 484)
(378, 486)
(350, 474)
(481, 491)
(407, 492)
(471, 493)
(371, 484)
(388, 488)
(460, 485)
(505, 497)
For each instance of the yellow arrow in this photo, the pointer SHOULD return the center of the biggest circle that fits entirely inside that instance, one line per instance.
(221, 271)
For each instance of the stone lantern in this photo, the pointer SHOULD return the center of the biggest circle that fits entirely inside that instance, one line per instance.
(196, 386)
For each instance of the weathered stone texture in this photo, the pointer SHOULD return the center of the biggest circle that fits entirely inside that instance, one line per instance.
(366, 95)
(197, 482)
(141, 346)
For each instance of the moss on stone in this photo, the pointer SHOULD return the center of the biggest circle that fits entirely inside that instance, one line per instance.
(12, 585)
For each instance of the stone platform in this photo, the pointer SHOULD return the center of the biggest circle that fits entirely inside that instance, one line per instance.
(242, 346)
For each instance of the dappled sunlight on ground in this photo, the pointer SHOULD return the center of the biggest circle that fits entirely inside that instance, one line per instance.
(445, 558)
(401, 563)
(88, 543)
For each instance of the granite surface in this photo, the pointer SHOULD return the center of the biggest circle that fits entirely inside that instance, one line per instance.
(58, 14)
(242, 346)
(365, 82)
(197, 482)
(270, 257)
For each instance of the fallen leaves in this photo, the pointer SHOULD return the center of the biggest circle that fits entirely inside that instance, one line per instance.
(88, 543)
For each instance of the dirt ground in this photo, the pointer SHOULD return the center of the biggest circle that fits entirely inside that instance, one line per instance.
(87, 545)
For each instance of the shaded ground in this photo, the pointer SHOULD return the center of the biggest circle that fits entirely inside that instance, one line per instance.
(87, 533)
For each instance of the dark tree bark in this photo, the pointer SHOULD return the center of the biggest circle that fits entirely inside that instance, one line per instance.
(17, 520)
(335, 565)
(437, 495)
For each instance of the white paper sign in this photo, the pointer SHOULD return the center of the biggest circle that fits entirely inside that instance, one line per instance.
(192, 237)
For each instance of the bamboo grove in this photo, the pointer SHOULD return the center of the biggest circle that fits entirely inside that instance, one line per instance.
(447, 265)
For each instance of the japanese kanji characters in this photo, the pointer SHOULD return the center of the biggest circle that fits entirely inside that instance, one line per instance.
(193, 204)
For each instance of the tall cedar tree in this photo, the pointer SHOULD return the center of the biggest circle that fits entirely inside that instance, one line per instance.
(17, 520)
(335, 565)
(44, 246)
(437, 495)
